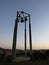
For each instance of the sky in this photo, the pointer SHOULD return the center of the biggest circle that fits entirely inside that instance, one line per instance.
(39, 12)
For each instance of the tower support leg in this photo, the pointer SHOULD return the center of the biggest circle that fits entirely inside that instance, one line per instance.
(14, 40)
(25, 38)
(30, 36)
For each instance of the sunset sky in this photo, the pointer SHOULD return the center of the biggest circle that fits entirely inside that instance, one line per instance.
(39, 12)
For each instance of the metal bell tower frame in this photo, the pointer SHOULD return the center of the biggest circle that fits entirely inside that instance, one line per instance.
(21, 17)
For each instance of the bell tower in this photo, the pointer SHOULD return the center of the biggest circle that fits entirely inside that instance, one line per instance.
(22, 17)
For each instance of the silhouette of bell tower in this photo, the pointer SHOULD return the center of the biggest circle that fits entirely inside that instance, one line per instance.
(21, 17)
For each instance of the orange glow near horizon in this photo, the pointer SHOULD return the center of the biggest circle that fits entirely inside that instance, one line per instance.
(22, 47)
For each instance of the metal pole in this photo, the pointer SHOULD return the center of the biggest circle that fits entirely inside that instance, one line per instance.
(14, 39)
(25, 38)
(30, 36)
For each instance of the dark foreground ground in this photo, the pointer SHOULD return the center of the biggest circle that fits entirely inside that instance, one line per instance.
(40, 57)
(35, 62)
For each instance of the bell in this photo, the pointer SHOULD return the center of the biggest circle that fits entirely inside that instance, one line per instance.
(22, 20)
(22, 12)
(26, 19)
